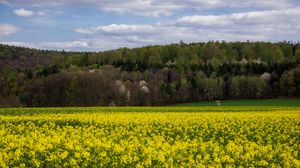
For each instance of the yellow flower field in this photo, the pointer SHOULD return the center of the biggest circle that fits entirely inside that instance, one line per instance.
(150, 137)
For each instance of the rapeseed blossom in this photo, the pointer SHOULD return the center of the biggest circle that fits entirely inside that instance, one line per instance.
(150, 137)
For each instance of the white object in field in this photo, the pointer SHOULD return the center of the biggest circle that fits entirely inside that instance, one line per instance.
(218, 102)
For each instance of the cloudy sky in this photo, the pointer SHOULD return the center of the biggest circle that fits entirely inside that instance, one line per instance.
(95, 25)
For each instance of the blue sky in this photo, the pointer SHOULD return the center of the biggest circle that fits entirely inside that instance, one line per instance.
(96, 25)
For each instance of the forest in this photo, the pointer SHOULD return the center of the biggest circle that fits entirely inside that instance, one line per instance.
(149, 76)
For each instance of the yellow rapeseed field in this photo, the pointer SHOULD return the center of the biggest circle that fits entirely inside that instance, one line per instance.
(150, 137)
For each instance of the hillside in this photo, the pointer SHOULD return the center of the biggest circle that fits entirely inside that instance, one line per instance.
(152, 75)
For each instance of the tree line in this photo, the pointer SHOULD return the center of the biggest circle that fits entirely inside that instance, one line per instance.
(151, 75)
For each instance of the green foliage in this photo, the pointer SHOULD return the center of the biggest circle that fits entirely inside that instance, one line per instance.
(213, 89)
(247, 52)
(175, 73)
(288, 84)
(84, 60)
(247, 87)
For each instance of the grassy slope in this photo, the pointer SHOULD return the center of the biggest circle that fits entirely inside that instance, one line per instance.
(256, 102)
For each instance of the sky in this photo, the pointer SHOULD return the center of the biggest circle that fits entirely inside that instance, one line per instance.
(98, 25)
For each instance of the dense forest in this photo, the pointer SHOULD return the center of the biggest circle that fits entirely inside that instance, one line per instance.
(152, 75)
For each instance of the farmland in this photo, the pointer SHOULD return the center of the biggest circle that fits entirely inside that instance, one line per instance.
(150, 137)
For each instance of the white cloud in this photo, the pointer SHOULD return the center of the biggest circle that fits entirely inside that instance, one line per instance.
(271, 17)
(7, 29)
(140, 35)
(41, 13)
(160, 7)
(268, 20)
(209, 4)
(117, 29)
(65, 45)
(271, 25)
(23, 12)
(141, 7)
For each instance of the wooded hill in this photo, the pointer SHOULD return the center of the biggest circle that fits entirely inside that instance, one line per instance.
(152, 75)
